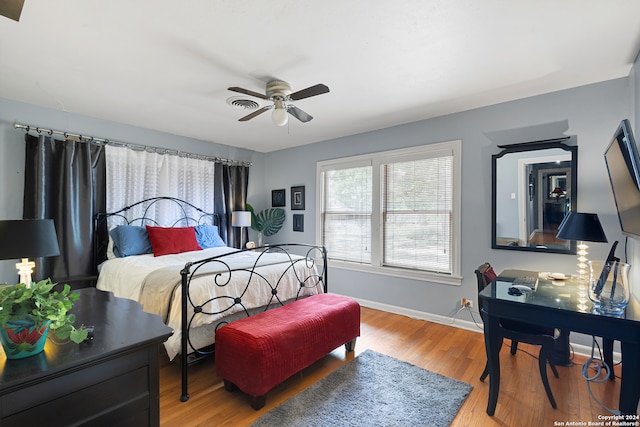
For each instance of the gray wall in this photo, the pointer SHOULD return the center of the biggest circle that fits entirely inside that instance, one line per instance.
(12, 153)
(591, 113)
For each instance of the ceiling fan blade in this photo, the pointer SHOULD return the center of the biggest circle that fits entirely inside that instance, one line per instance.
(11, 9)
(255, 113)
(299, 114)
(248, 92)
(318, 89)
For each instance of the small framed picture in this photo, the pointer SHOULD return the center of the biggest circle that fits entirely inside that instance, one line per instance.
(297, 198)
(278, 198)
(298, 222)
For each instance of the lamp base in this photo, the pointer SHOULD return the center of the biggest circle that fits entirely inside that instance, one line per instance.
(25, 268)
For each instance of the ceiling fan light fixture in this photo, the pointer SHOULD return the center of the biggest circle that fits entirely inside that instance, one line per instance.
(279, 92)
(279, 115)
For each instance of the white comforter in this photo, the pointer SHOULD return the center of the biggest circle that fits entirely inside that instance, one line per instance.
(127, 278)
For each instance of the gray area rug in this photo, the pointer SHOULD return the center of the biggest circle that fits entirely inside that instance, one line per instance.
(373, 390)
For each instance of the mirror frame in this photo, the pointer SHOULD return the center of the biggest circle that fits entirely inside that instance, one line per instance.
(534, 146)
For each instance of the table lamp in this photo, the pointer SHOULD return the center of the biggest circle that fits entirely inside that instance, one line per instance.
(557, 192)
(27, 238)
(241, 219)
(583, 227)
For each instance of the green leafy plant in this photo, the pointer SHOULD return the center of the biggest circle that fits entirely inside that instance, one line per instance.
(268, 221)
(41, 303)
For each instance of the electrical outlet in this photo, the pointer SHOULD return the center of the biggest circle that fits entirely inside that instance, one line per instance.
(466, 302)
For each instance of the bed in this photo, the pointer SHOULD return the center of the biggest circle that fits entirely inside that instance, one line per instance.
(196, 286)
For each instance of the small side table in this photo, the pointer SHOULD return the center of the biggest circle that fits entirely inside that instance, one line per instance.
(110, 380)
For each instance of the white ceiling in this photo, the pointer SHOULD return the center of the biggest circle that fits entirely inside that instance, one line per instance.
(167, 64)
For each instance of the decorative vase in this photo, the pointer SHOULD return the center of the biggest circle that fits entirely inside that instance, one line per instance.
(260, 238)
(609, 287)
(23, 338)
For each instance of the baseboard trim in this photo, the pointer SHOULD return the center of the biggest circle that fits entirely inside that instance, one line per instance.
(580, 349)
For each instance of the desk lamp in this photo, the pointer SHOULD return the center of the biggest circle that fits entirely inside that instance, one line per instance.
(241, 219)
(27, 238)
(583, 227)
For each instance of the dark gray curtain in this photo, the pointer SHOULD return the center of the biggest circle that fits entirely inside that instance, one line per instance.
(235, 184)
(219, 202)
(65, 181)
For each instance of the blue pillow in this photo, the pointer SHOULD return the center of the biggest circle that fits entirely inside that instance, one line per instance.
(130, 240)
(208, 236)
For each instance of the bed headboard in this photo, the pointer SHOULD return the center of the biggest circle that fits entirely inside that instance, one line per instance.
(157, 211)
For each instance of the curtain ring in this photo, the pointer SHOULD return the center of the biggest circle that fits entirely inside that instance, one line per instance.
(50, 132)
(38, 130)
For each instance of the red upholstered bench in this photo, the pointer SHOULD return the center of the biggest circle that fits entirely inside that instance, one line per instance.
(257, 353)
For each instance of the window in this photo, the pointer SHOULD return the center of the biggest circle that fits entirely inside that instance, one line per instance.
(395, 212)
(347, 213)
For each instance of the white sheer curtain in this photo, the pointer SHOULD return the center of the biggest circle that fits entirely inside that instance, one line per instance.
(134, 175)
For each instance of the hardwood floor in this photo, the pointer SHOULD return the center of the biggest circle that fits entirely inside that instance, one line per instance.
(450, 351)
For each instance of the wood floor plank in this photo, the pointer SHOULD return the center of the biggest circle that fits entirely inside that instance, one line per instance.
(450, 351)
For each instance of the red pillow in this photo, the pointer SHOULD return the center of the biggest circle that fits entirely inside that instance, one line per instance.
(166, 241)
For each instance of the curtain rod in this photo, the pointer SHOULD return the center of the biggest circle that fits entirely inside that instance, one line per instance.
(137, 147)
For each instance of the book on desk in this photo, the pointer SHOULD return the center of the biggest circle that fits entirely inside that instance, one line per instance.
(520, 278)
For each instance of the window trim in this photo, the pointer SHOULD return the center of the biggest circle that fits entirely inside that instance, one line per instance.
(376, 160)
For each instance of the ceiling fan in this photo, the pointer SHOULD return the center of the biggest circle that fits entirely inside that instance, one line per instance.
(11, 8)
(280, 93)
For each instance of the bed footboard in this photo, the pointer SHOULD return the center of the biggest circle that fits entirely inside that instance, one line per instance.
(303, 263)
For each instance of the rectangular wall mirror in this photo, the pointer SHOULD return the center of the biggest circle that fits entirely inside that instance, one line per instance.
(534, 186)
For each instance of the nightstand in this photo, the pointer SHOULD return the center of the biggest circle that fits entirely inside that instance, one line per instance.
(110, 380)
(76, 282)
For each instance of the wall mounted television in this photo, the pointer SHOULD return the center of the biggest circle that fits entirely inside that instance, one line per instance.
(623, 165)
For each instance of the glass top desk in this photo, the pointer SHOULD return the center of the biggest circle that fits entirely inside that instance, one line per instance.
(563, 305)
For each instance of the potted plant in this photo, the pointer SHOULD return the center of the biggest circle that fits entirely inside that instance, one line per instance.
(267, 222)
(28, 313)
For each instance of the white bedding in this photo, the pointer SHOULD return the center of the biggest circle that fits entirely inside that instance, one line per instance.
(125, 277)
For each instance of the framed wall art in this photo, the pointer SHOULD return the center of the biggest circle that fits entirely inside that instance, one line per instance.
(297, 198)
(298, 222)
(278, 198)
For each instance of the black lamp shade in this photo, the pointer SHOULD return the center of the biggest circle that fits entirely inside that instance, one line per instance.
(581, 226)
(28, 238)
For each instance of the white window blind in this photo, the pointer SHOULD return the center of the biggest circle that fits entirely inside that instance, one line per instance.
(417, 214)
(394, 212)
(347, 214)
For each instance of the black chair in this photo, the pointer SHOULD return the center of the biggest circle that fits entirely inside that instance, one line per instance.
(521, 332)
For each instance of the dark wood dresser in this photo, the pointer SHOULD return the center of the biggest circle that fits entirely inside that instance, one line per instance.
(110, 380)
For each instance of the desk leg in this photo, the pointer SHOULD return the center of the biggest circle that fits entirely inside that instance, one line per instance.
(607, 349)
(630, 381)
(492, 342)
